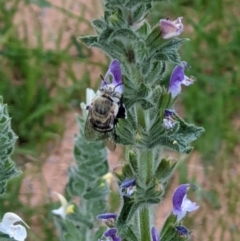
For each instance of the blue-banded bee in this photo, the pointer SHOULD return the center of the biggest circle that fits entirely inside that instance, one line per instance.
(106, 107)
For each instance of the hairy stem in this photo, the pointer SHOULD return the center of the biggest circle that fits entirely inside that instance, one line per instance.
(144, 215)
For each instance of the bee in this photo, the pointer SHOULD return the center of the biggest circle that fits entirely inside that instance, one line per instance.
(105, 109)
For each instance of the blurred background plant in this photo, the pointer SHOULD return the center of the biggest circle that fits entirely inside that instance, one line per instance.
(38, 80)
(42, 75)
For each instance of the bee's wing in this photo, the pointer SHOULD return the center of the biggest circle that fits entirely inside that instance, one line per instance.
(111, 145)
(91, 134)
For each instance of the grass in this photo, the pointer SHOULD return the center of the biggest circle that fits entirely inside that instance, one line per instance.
(38, 80)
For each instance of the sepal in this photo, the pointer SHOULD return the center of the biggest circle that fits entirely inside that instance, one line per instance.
(144, 30)
(99, 24)
(140, 11)
(129, 234)
(169, 231)
(154, 39)
(165, 170)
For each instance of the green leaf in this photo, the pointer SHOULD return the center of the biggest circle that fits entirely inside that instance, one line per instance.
(123, 34)
(89, 40)
(99, 24)
(154, 39)
(109, 49)
(167, 51)
(165, 169)
(154, 72)
(140, 11)
(144, 30)
(127, 212)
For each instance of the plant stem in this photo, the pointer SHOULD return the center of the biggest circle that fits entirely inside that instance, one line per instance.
(145, 166)
(144, 218)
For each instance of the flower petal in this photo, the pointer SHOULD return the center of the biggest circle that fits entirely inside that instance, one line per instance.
(112, 233)
(181, 204)
(168, 123)
(60, 212)
(90, 94)
(169, 113)
(128, 187)
(128, 183)
(179, 195)
(10, 218)
(170, 28)
(114, 72)
(18, 232)
(154, 233)
(182, 231)
(178, 78)
(106, 216)
(62, 200)
(188, 205)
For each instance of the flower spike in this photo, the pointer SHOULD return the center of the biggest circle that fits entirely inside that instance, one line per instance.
(115, 72)
(181, 204)
(18, 232)
(154, 233)
(178, 78)
(170, 28)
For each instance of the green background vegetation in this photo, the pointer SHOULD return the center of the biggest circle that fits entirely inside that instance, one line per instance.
(40, 84)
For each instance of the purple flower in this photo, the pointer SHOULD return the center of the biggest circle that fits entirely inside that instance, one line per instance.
(182, 231)
(168, 121)
(112, 233)
(128, 187)
(169, 113)
(154, 233)
(181, 204)
(113, 77)
(178, 78)
(170, 28)
(106, 216)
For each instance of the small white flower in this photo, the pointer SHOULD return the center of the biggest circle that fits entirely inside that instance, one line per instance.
(65, 207)
(18, 232)
(90, 94)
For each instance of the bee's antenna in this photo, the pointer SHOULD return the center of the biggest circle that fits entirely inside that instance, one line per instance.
(117, 86)
(103, 79)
